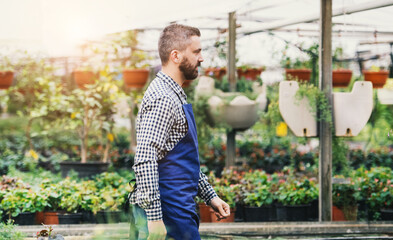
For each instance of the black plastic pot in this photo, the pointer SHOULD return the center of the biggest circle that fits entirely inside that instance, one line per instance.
(25, 218)
(281, 213)
(89, 169)
(70, 218)
(297, 212)
(258, 214)
(386, 214)
(239, 214)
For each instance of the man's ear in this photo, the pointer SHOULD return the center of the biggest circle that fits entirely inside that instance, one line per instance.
(175, 56)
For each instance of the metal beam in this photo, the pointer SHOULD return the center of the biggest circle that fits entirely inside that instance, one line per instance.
(231, 136)
(325, 129)
(313, 17)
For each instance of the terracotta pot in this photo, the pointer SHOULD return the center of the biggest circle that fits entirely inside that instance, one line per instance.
(204, 213)
(51, 218)
(39, 218)
(249, 73)
(6, 78)
(216, 72)
(231, 217)
(338, 214)
(83, 77)
(135, 78)
(298, 74)
(377, 78)
(341, 77)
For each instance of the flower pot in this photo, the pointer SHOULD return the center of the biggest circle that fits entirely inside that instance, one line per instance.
(377, 78)
(341, 77)
(25, 218)
(297, 212)
(204, 213)
(39, 217)
(70, 218)
(338, 214)
(229, 219)
(6, 78)
(386, 214)
(51, 218)
(83, 77)
(298, 74)
(258, 214)
(249, 73)
(385, 96)
(281, 213)
(217, 73)
(239, 214)
(89, 169)
(88, 217)
(135, 78)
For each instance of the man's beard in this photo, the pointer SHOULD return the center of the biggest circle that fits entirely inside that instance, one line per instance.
(189, 71)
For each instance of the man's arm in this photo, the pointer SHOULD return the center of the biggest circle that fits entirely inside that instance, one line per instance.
(154, 122)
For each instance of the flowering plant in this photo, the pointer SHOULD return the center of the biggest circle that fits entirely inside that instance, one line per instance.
(297, 192)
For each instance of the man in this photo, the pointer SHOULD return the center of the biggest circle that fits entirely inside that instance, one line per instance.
(166, 166)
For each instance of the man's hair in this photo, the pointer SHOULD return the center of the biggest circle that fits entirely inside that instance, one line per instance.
(175, 37)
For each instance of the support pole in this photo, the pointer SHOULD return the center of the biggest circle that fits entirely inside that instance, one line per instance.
(325, 130)
(231, 136)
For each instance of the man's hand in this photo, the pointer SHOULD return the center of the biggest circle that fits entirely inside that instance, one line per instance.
(157, 230)
(221, 208)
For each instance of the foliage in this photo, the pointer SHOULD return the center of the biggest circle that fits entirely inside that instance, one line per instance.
(318, 102)
(297, 191)
(340, 152)
(9, 232)
(261, 196)
(345, 195)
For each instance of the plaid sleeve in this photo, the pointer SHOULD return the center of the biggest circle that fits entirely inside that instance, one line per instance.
(205, 190)
(155, 120)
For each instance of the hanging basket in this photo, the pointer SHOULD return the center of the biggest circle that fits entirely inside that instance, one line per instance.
(217, 73)
(82, 78)
(6, 78)
(135, 78)
(298, 74)
(377, 78)
(249, 73)
(341, 78)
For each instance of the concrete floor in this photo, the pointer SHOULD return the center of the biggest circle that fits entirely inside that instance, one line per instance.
(239, 230)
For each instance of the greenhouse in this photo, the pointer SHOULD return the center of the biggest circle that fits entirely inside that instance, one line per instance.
(291, 125)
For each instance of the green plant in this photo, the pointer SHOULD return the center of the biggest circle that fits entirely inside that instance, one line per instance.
(318, 102)
(9, 232)
(297, 192)
(260, 196)
(16, 201)
(93, 109)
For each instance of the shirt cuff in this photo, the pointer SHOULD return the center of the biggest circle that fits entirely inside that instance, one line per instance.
(154, 212)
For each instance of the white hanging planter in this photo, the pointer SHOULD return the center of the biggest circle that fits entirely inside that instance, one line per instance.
(353, 109)
(296, 114)
(385, 96)
(240, 113)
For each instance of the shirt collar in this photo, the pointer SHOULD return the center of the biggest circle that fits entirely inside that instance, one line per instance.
(174, 85)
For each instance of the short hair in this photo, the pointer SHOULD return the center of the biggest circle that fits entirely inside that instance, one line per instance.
(175, 37)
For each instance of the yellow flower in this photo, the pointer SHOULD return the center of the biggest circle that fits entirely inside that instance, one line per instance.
(282, 129)
(33, 154)
(110, 137)
(73, 115)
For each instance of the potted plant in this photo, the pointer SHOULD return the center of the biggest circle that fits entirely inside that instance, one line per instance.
(258, 204)
(296, 195)
(70, 202)
(385, 94)
(376, 75)
(6, 74)
(345, 199)
(341, 76)
(215, 72)
(19, 205)
(296, 69)
(133, 61)
(249, 72)
(91, 110)
(84, 76)
(204, 211)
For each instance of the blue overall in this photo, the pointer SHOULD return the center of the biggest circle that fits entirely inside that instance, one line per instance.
(178, 181)
(178, 184)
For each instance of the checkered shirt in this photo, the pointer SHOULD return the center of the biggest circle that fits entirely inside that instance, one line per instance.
(161, 124)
